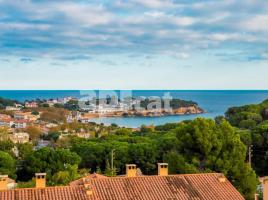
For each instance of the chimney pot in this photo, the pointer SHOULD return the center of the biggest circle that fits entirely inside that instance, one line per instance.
(88, 188)
(162, 169)
(40, 180)
(3, 182)
(131, 170)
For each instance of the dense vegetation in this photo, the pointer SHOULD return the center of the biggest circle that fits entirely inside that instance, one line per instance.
(174, 103)
(252, 121)
(197, 146)
(201, 145)
(6, 102)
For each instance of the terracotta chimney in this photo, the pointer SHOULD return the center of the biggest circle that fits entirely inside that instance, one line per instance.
(264, 182)
(40, 180)
(162, 169)
(131, 170)
(3, 182)
(87, 187)
(222, 178)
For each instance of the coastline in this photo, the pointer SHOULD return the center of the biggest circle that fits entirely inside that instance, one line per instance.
(182, 111)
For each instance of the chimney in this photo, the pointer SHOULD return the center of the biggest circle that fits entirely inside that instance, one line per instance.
(264, 182)
(87, 187)
(40, 180)
(3, 182)
(131, 170)
(162, 169)
(222, 178)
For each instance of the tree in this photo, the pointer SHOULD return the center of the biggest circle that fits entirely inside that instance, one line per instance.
(66, 176)
(24, 150)
(216, 147)
(4, 134)
(34, 132)
(6, 146)
(49, 161)
(35, 112)
(7, 165)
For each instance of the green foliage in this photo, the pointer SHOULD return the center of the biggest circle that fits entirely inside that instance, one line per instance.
(6, 102)
(54, 115)
(6, 145)
(54, 136)
(28, 184)
(109, 171)
(252, 119)
(7, 164)
(35, 112)
(123, 131)
(174, 103)
(178, 164)
(196, 146)
(72, 105)
(24, 150)
(244, 116)
(49, 161)
(66, 176)
(34, 132)
(216, 147)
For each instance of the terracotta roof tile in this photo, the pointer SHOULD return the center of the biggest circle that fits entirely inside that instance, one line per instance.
(86, 178)
(48, 193)
(174, 187)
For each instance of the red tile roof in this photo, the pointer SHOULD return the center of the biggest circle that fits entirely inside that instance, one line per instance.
(48, 193)
(174, 187)
(81, 181)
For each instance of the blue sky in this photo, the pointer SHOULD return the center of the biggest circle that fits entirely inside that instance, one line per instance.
(134, 44)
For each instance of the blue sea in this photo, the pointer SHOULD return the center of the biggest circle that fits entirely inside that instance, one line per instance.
(213, 101)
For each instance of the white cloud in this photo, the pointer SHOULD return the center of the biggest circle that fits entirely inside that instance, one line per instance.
(23, 26)
(257, 23)
(155, 14)
(85, 14)
(154, 3)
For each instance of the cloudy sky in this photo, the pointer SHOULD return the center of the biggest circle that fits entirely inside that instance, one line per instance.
(134, 44)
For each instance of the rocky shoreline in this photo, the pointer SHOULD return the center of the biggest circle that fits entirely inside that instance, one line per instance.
(186, 110)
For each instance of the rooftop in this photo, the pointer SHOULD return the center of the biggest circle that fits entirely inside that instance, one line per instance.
(176, 187)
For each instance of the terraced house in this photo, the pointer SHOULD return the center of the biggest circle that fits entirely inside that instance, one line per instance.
(210, 186)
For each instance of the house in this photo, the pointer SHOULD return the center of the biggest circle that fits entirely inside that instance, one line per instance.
(20, 123)
(4, 116)
(20, 138)
(31, 104)
(20, 116)
(12, 108)
(6, 122)
(208, 186)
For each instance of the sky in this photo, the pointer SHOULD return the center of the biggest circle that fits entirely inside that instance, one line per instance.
(133, 44)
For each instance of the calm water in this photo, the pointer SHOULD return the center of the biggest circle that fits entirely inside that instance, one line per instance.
(214, 102)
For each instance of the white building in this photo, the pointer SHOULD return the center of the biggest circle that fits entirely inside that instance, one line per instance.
(20, 138)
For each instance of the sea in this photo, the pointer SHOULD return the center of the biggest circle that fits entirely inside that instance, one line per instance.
(214, 102)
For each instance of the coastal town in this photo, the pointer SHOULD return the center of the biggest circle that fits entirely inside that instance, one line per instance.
(20, 116)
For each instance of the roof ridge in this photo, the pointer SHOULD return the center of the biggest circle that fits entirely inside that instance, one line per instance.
(49, 187)
(170, 175)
